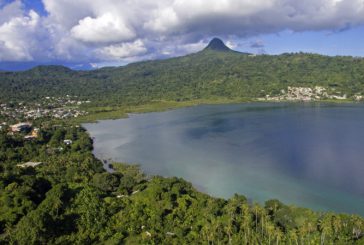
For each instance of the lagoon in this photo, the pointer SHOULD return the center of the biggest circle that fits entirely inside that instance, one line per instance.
(309, 155)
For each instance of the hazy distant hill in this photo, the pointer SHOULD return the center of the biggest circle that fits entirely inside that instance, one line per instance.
(216, 71)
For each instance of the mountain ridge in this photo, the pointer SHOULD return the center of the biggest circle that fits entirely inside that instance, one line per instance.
(208, 74)
(218, 45)
(215, 44)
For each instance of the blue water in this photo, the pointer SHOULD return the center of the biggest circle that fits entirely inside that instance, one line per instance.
(309, 155)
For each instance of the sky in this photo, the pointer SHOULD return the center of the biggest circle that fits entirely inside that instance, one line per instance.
(84, 34)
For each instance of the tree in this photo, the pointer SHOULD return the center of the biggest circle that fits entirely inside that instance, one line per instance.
(40, 225)
(106, 181)
(325, 228)
(92, 212)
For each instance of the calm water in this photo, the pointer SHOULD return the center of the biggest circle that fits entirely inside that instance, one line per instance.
(303, 154)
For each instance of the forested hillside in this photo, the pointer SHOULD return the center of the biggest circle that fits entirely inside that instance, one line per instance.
(54, 191)
(69, 199)
(209, 74)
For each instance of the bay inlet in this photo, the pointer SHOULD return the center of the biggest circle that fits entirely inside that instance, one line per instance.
(309, 155)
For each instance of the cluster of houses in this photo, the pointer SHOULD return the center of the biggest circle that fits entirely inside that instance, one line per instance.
(68, 100)
(60, 108)
(20, 127)
(307, 94)
(55, 107)
(26, 128)
(30, 131)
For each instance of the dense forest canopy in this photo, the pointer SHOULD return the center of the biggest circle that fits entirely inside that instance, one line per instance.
(70, 199)
(215, 72)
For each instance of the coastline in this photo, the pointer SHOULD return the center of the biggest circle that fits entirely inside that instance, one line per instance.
(118, 112)
(312, 103)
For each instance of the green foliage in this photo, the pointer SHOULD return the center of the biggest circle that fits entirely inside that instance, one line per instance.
(70, 199)
(207, 75)
(92, 214)
(41, 224)
(106, 182)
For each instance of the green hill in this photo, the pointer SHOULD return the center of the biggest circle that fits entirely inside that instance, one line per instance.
(214, 72)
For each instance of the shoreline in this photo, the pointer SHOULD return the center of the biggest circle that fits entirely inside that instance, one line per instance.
(113, 113)
(313, 103)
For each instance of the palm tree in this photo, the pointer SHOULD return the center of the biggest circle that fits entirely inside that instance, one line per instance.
(256, 209)
(279, 235)
(270, 231)
(337, 226)
(246, 221)
(325, 227)
(358, 226)
(293, 236)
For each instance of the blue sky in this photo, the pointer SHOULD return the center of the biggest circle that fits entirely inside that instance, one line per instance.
(37, 5)
(88, 34)
(348, 42)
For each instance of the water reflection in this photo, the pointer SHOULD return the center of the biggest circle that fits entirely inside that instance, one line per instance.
(304, 154)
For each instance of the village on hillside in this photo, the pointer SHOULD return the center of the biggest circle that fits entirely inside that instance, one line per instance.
(308, 94)
(17, 118)
(49, 107)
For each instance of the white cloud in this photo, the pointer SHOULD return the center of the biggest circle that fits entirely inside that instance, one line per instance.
(122, 50)
(97, 30)
(177, 48)
(67, 13)
(103, 29)
(257, 44)
(231, 44)
(10, 10)
(165, 19)
(19, 36)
